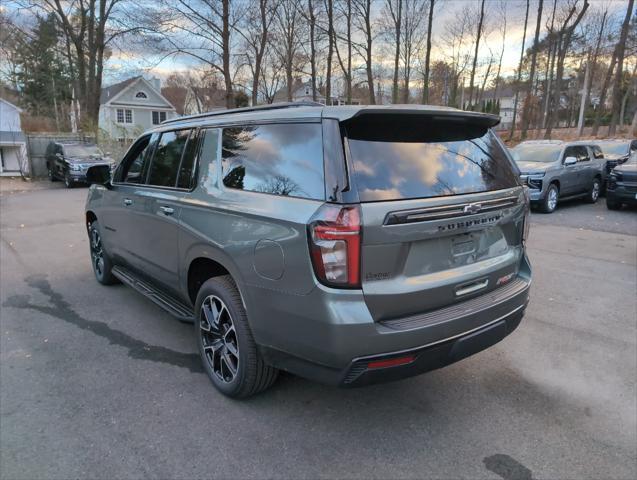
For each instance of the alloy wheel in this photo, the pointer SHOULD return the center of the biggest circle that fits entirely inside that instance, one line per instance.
(595, 192)
(97, 252)
(552, 199)
(219, 338)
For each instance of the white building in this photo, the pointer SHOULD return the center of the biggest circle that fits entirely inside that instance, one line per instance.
(130, 107)
(13, 143)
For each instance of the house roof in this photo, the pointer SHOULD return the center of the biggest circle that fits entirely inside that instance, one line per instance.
(111, 91)
(19, 110)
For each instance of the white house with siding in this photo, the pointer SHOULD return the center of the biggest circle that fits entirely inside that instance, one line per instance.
(13, 142)
(130, 107)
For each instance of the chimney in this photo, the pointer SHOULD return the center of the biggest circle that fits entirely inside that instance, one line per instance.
(156, 83)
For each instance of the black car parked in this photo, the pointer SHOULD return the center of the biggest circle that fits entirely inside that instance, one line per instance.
(70, 161)
(622, 184)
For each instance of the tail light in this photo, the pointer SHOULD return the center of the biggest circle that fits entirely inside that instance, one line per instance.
(335, 245)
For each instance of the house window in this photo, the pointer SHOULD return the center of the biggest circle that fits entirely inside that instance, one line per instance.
(141, 95)
(158, 117)
(124, 115)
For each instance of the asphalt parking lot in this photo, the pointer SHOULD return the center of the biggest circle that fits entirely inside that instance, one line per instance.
(97, 382)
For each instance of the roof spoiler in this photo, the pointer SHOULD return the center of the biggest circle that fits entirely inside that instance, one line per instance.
(485, 120)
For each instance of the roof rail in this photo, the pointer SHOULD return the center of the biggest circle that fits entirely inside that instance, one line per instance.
(258, 108)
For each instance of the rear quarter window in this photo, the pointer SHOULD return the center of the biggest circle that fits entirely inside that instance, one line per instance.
(415, 160)
(278, 159)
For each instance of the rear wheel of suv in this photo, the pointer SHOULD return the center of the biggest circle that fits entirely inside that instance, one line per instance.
(593, 193)
(549, 204)
(228, 351)
(100, 261)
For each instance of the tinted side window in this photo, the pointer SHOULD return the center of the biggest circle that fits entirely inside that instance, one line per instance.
(165, 164)
(133, 163)
(582, 154)
(597, 152)
(569, 152)
(281, 159)
(184, 180)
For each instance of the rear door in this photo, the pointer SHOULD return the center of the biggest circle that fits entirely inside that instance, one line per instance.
(442, 212)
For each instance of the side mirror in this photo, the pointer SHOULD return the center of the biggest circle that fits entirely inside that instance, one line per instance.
(570, 161)
(99, 175)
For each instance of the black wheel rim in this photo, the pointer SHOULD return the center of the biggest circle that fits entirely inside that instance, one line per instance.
(97, 252)
(219, 339)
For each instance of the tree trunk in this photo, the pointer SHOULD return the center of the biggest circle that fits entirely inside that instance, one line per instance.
(475, 55)
(602, 96)
(526, 113)
(330, 52)
(225, 41)
(312, 49)
(397, 19)
(621, 49)
(585, 94)
(425, 87)
(519, 76)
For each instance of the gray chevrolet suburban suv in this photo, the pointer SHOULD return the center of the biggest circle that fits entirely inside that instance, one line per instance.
(348, 245)
(555, 170)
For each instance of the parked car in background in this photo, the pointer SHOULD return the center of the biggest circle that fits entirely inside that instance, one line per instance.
(348, 245)
(70, 161)
(622, 184)
(555, 170)
(616, 151)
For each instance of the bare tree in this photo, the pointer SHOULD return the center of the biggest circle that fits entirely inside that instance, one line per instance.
(526, 112)
(563, 45)
(289, 40)
(90, 29)
(345, 60)
(255, 31)
(329, 9)
(395, 10)
(412, 40)
(503, 30)
(620, 50)
(519, 73)
(475, 55)
(425, 89)
(363, 20)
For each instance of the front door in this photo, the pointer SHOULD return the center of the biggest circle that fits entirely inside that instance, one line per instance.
(156, 208)
(569, 179)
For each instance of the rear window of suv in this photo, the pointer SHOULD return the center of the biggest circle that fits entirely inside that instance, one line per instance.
(409, 159)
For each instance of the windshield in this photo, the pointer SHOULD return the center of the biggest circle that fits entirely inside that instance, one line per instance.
(83, 151)
(414, 160)
(614, 148)
(536, 153)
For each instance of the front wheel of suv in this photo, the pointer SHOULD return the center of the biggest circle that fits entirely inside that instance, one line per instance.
(549, 204)
(100, 261)
(593, 193)
(228, 350)
(612, 204)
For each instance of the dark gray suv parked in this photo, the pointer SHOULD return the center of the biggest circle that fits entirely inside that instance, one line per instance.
(348, 245)
(555, 170)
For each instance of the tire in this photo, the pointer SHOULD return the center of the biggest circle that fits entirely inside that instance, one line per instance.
(549, 203)
(593, 193)
(67, 181)
(100, 261)
(612, 204)
(229, 354)
(51, 175)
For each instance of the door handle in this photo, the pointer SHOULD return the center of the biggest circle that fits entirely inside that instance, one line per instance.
(128, 201)
(167, 210)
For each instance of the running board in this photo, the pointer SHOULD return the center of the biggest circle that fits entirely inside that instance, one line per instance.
(173, 306)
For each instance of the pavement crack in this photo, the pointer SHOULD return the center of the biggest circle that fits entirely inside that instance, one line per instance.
(137, 349)
(507, 467)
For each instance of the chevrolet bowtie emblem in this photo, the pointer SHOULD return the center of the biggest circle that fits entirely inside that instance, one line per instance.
(472, 208)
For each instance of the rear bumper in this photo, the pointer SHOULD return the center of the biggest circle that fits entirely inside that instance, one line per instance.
(334, 343)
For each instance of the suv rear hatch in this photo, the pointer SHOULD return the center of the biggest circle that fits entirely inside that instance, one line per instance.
(442, 210)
